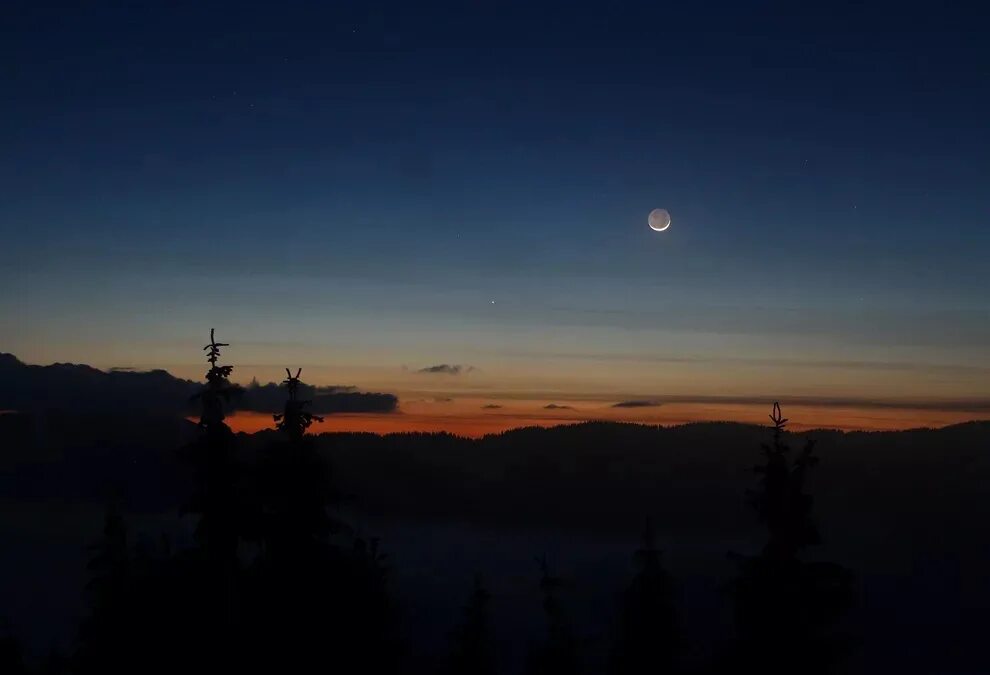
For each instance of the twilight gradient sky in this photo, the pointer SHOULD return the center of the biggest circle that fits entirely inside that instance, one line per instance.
(346, 187)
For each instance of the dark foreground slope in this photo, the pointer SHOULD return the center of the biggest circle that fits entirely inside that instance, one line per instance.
(906, 511)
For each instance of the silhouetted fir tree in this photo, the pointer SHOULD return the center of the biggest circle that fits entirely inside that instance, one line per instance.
(473, 652)
(785, 607)
(557, 654)
(296, 486)
(55, 663)
(219, 492)
(110, 565)
(291, 587)
(108, 590)
(228, 513)
(781, 502)
(218, 390)
(368, 620)
(648, 639)
(314, 600)
(11, 654)
(146, 609)
(295, 419)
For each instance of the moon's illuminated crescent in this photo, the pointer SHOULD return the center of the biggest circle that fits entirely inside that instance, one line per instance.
(659, 220)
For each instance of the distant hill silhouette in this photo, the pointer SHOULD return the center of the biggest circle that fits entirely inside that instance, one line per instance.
(592, 475)
(586, 476)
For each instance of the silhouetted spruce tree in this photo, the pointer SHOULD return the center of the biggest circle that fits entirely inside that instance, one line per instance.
(315, 599)
(648, 639)
(217, 473)
(223, 500)
(11, 654)
(368, 620)
(292, 596)
(55, 663)
(103, 646)
(473, 652)
(785, 608)
(781, 501)
(557, 654)
(222, 496)
(146, 609)
(295, 419)
(296, 488)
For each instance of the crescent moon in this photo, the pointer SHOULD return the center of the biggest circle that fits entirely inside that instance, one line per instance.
(659, 220)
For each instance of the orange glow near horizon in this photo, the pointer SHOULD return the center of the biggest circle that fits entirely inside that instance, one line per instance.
(468, 418)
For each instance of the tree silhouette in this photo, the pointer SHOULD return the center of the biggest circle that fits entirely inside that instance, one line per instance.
(218, 390)
(296, 487)
(109, 596)
(150, 611)
(223, 498)
(369, 621)
(780, 501)
(295, 420)
(473, 652)
(310, 594)
(138, 602)
(785, 607)
(110, 565)
(648, 640)
(11, 654)
(557, 654)
(219, 496)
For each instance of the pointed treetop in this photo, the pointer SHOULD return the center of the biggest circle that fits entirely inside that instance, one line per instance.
(214, 348)
(292, 382)
(295, 419)
(779, 421)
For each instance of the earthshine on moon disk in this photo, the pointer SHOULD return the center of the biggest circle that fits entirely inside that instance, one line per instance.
(659, 220)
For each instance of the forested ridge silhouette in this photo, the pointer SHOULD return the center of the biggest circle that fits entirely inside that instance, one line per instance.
(280, 571)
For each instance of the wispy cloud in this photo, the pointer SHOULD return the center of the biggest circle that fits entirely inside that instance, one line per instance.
(959, 404)
(491, 406)
(599, 398)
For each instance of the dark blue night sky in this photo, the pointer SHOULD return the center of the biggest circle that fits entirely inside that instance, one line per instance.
(351, 185)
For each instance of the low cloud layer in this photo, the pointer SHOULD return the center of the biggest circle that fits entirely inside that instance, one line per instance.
(491, 406)
(446, 369)
(80, 388)
(554, 406)
(638, 404)
(325, 400)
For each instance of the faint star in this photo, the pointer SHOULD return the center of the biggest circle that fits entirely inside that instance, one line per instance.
(493, 302)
